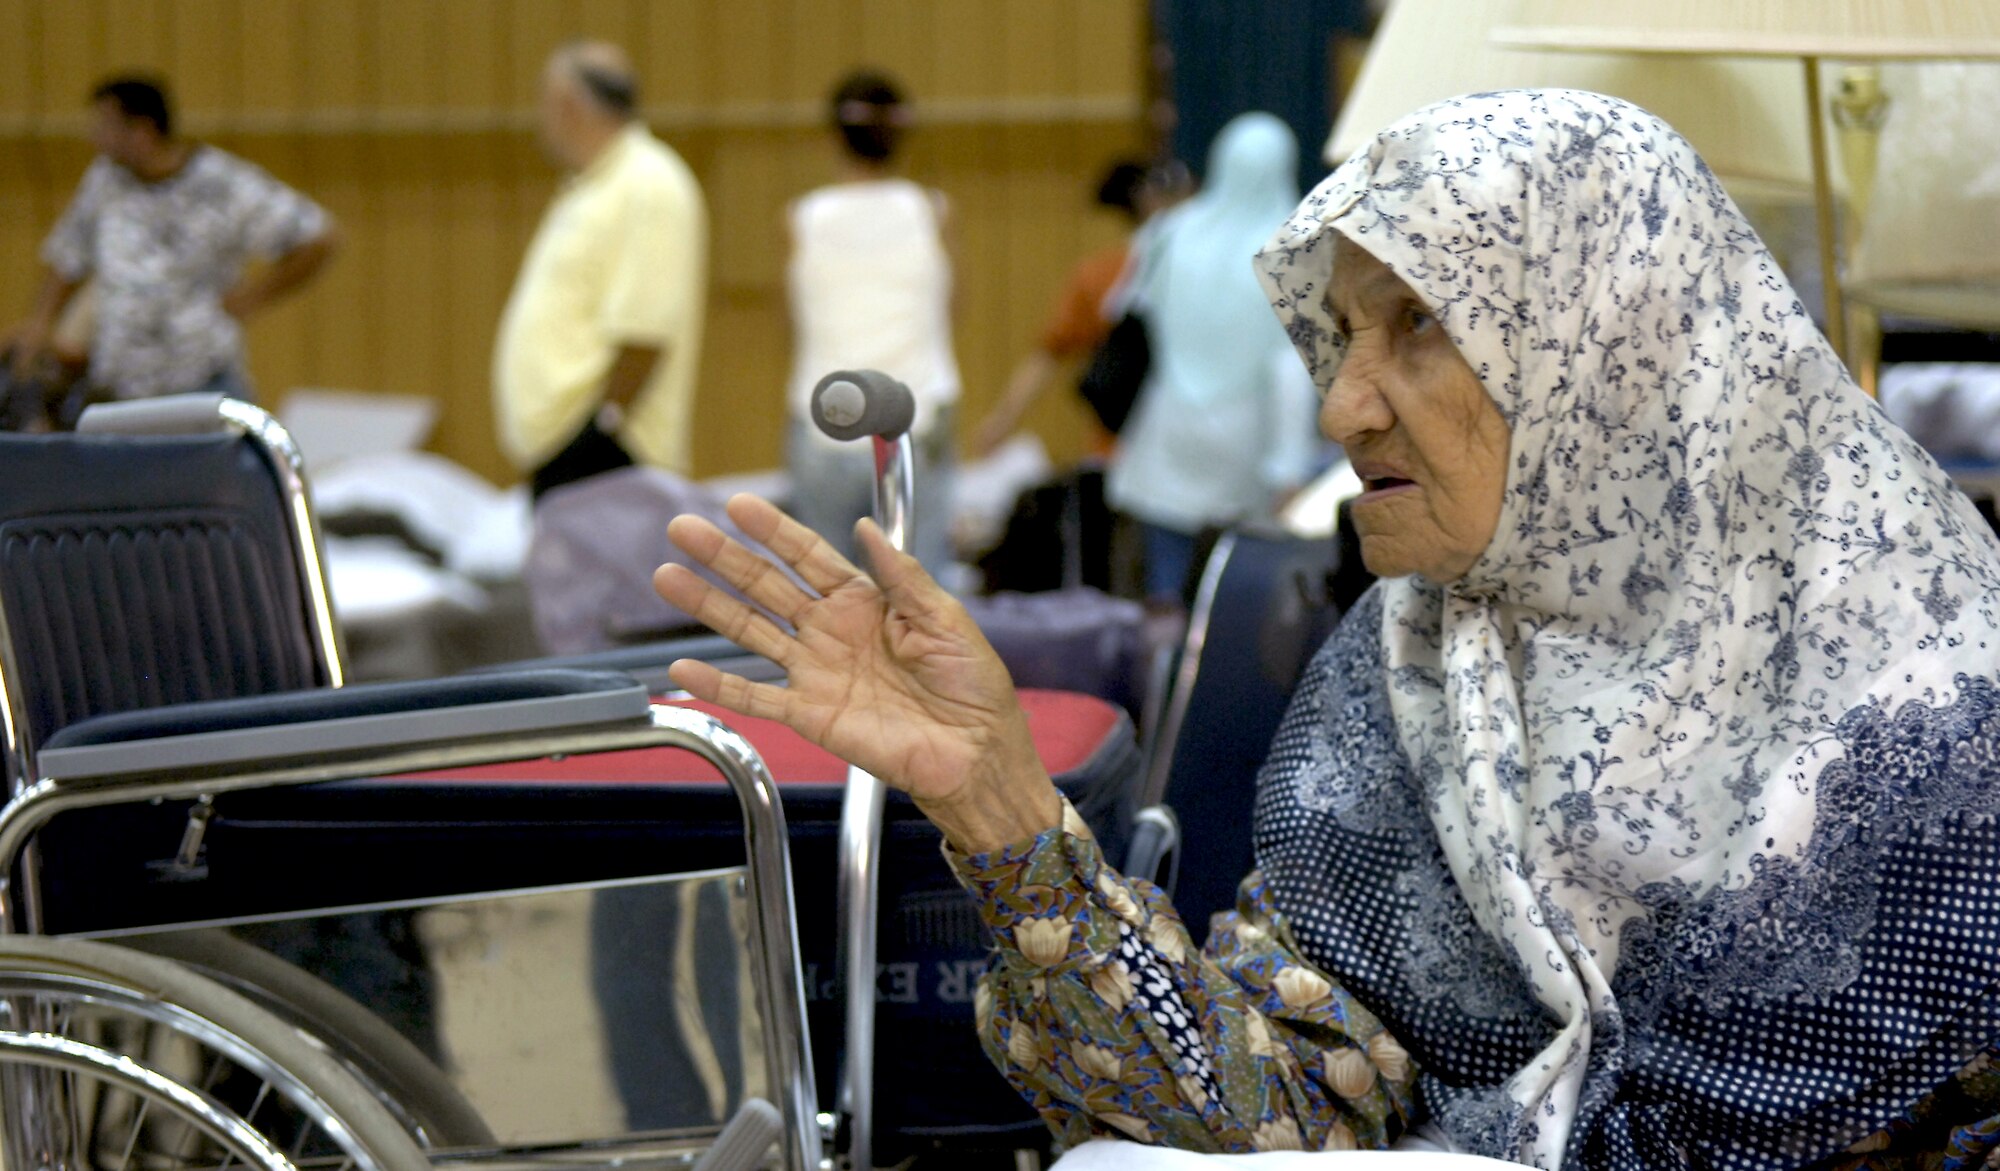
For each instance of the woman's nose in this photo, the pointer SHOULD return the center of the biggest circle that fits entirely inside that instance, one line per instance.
(1354, 405)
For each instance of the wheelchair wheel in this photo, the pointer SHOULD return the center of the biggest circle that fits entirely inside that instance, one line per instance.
(420, 1094)
(113, 1059)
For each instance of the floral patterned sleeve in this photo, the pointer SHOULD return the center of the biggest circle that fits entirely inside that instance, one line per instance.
(1099, 1011)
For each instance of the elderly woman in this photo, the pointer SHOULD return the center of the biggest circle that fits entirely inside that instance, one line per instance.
(1643, 816)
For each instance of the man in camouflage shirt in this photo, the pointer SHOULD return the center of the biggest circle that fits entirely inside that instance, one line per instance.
(163, 227)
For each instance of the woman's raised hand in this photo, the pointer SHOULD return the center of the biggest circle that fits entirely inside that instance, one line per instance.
(889, 673)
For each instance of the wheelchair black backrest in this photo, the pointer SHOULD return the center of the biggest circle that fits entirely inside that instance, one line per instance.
(1267, 602)
(137, 571)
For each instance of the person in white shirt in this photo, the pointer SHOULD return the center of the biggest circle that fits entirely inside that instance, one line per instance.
(870, 280)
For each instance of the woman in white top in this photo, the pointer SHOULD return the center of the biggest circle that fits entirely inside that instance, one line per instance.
(870, 283)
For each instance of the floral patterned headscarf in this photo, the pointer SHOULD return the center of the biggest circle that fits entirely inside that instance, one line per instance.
(1707, 737)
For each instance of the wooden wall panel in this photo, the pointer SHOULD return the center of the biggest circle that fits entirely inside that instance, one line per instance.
(677, 34)
(271, 49)
(413, 121)
(405, 55)
(17, 56)
(337, 62)
(1107, 33)
(969, 51)
(204, 52)
(20, 159)
(480, 245)
(138, 34)
(819, 40)
(70, 43)
(472, 81)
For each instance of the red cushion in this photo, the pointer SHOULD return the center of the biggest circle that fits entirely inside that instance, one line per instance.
(1068, 729)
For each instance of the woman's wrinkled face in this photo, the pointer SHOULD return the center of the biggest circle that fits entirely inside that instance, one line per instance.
(1426, 440)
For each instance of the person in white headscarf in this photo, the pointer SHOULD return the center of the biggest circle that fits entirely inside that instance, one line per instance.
(1645, 816)
(1222, 428)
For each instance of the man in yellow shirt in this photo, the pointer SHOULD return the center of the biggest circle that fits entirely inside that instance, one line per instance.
(595, 363)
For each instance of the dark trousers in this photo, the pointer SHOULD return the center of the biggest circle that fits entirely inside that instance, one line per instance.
(593, 452)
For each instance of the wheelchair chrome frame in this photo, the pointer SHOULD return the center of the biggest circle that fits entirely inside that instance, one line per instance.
(34, 799)
(263, 429)
(773, 923)
(1160, 750)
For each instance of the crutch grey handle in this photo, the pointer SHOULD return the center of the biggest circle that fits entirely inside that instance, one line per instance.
(174, 414)
(850, 404)
(742, 1144)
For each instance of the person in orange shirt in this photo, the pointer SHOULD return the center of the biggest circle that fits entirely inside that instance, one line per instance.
(1079, 324)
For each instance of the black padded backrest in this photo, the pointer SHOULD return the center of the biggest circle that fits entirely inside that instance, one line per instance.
(1273, 608)
(137, 572)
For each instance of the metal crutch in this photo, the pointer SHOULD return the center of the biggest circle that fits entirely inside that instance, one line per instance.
(846, 405)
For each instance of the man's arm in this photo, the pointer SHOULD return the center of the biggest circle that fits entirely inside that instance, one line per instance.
(283, 275)
(629, 371)
(1031, 376)
(30, 338)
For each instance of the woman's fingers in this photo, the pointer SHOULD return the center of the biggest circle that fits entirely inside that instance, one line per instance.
(819, 563)
(759, 579)
(911, 591)
(732, 618)
(705, 681)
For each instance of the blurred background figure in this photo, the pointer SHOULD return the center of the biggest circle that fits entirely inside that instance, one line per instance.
(474, 329)
(870, 278)
(1077, 325)
(1222, 430)
(164, 227)
(48, 391)
(594, 366)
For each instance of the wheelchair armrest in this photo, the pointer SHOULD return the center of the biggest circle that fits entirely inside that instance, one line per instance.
(346, 720)
(648, 662)
(1155, 852)
(174, 414)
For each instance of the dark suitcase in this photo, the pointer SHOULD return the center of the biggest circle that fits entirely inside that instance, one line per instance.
(1062, 535)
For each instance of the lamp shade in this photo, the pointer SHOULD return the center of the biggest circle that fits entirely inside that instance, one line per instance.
(1743, 116)
(1930, 244)
(1855, 29)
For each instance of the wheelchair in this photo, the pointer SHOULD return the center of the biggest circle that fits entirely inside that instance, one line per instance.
(167, 645)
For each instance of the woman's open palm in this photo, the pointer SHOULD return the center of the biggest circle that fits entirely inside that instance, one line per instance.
(889, 673)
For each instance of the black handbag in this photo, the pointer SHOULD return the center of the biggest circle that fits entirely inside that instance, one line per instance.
(1117, 369)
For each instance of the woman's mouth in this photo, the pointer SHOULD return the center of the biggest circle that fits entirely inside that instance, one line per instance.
(1385, 484)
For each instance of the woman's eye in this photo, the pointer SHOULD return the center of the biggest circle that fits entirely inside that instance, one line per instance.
(1418, 321)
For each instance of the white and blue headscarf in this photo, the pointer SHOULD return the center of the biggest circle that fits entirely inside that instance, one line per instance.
(1689, 855)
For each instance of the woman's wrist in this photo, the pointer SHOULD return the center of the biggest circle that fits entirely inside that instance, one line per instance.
(1017, 806)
